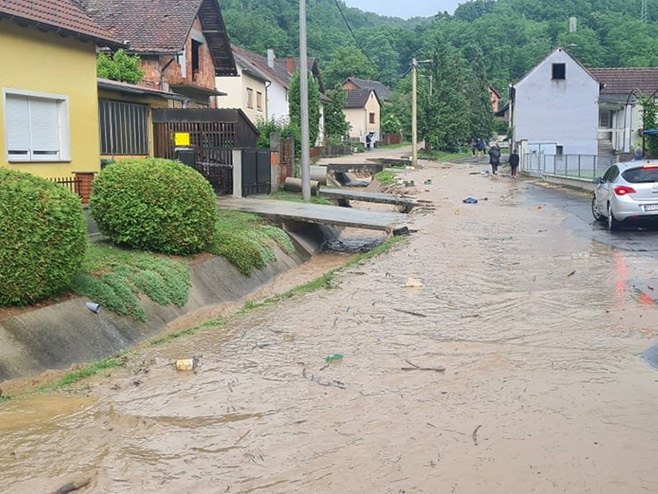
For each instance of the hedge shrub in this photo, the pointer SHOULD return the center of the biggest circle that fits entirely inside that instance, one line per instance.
(43, 237)
(155, 205)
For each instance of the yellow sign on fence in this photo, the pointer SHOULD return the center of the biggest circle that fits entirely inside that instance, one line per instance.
(181, 138)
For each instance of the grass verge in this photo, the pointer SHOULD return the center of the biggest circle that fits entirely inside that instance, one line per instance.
(84, 373)
(326, 281)
(442, 155)
(284, 195)
(386, 177)
(116, 278)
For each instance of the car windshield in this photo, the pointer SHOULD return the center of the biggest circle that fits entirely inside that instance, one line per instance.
(641, 175)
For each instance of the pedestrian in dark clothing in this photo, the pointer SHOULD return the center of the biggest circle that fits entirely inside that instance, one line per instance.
(474, 146)
(481, 146)
(514, 162)
(494, 158)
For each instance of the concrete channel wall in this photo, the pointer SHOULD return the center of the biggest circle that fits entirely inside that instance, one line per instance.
(59, 335)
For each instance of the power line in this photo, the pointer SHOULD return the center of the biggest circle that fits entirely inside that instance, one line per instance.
(349, 28)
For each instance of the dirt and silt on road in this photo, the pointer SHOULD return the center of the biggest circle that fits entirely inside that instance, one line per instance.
(544, 389)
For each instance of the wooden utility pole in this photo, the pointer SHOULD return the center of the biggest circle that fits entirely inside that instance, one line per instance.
(303, 94)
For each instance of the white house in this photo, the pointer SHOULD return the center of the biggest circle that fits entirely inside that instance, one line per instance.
(554, 108)
(620, 107)
(246, 91)
(275, 75)
(363, 113)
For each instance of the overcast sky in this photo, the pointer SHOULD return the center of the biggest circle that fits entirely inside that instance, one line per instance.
(405, 9)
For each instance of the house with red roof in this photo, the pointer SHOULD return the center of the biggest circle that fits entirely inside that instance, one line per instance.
(182, 45)
(363, 113)
(562, 111)
(49, 99)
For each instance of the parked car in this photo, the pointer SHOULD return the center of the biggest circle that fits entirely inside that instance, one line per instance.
(627, 192)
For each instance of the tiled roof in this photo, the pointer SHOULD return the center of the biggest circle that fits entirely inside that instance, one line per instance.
(156, 26)
(357, 98)
(162, 26)
(382, 91)
(63, 16)
(627, 80)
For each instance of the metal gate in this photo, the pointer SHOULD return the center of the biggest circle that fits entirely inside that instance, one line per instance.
(256, 174)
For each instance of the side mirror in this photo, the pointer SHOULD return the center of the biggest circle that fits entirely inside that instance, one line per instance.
(597, 180)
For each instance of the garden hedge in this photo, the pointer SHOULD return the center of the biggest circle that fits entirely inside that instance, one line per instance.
(154, 205)
(43, 237)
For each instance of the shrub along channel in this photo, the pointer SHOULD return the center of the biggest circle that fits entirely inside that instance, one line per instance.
(156, 213)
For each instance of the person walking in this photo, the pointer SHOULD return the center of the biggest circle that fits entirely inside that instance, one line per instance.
(481, 146)
(513, 161)
(494, 158)
(474, 147)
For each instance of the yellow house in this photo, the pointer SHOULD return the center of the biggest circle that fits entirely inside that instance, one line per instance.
(48, 85)
(363, 113)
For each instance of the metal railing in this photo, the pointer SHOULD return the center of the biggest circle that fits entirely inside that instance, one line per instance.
(581, 166)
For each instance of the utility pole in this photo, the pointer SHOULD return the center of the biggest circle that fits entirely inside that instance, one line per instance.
(303, 86)
(414, 109)
(414, 114)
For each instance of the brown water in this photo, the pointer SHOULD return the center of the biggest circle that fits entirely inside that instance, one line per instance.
(544, 388)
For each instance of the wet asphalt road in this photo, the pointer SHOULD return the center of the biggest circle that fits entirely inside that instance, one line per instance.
(642, 239)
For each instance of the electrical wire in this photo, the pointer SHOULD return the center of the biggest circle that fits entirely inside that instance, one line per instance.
(349, 28)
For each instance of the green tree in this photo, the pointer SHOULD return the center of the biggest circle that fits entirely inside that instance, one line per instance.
(444, 117)
(335, 125)
(119, 66)
(294, 98)
(348, 62)
(481, 112)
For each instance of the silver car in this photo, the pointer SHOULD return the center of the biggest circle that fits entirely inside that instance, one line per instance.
(627, 192)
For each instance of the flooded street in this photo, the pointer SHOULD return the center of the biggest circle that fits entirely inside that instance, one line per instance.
(541, 330)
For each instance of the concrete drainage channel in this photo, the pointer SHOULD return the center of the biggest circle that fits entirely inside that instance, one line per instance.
(60, 335)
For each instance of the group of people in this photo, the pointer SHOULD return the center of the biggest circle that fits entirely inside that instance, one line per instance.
(478, 145)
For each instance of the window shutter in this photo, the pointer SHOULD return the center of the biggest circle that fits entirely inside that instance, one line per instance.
(44, 123)
(17, 124)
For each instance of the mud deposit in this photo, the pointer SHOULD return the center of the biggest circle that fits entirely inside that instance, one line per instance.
(545, 388)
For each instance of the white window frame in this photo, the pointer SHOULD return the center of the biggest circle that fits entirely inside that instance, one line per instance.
(63, 130)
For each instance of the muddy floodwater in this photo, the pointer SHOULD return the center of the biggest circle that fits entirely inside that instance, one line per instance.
(515, 364)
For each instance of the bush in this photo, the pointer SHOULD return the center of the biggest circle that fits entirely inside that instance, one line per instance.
(154, 205)
(246, 243)
(43, 237)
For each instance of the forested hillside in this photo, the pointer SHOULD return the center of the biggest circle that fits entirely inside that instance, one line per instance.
(512, 35)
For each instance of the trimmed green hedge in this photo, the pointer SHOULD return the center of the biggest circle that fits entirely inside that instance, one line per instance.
(43, 237)
(154, 205)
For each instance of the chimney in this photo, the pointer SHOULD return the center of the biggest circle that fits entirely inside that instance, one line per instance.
(291, 65)
(270, 58)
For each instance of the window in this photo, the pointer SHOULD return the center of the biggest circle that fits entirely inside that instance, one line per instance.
(259, 101)
(559, 150)
(196, 46)
(611, 174)
(371, 118)
(559, 71)
(123, 128)
(37, 127)
(605, 119)
(250, 98)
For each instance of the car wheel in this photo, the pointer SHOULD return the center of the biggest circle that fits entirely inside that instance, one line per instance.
(595, 211)
(613, 224)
